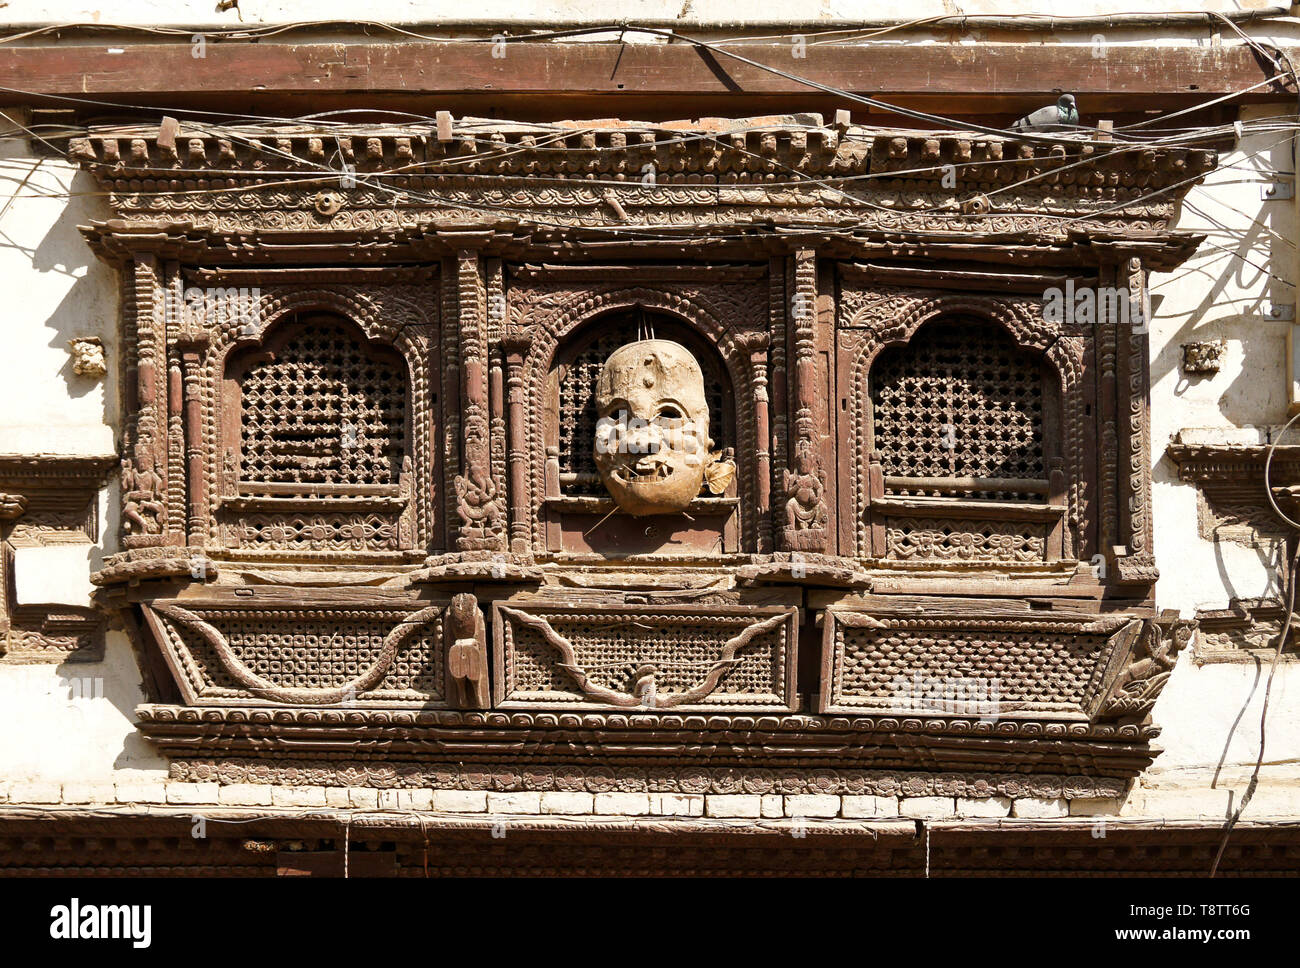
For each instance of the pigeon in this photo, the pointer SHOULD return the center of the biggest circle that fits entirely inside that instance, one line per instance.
(1063, 112)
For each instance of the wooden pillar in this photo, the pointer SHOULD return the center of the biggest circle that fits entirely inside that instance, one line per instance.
(477, 501)
(1135, 563)
(780, 401)
(806, 518)
(192, 352)
(516, 348)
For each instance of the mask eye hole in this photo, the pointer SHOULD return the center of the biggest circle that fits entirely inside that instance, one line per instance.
(670, 413)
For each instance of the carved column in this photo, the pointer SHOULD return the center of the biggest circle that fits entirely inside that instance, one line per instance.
(1136, 565)
(477, 500)
(1107, 349)
(756, 344)
(192, 351)
(779, 433)
(515, 346)
(805, 525)
(144, 470)
(494, 279)
(170, 321)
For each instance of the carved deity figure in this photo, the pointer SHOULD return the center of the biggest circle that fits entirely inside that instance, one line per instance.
(142, 492)
(652, 439)
(805, 510)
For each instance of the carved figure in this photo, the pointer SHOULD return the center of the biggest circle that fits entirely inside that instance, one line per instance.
(88, 357)
(467, 667)
(805, 510)
(142, 507)
(652, 439)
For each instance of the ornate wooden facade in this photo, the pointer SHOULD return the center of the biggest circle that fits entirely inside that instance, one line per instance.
(363, 540)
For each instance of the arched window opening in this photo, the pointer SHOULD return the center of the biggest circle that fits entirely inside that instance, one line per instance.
(962, 411)
(579, 368)
(320, 408)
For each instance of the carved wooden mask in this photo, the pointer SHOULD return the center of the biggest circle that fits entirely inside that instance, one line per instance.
(652, 439)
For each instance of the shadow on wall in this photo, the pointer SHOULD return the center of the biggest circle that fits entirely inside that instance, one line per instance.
(90, 306)
(1246, 400)
(84, 716)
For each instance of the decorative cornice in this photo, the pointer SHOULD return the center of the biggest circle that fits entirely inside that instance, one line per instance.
(295, 178)
(1198, 463)
(742, 151)
(22, 472)
(801, 745)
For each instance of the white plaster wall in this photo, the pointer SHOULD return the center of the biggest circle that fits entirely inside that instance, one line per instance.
(73, 723)
(1211, 714)
(70, 723)
(54, 289)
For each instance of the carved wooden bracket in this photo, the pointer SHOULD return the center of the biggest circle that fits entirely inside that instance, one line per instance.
(468, 679)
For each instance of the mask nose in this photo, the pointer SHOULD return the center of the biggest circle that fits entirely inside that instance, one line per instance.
(644, 438)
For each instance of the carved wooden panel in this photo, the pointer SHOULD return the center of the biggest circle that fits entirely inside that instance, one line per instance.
(996, 666)
(678, 658)
(281, 646)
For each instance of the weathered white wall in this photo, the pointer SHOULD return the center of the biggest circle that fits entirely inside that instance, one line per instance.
(56, 289)
(70, 723)
(1211, 713)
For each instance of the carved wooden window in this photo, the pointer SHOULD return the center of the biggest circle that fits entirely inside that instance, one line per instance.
(316, 431)
(962, 410)
(577, 391)
(320, 410)
(966, 443)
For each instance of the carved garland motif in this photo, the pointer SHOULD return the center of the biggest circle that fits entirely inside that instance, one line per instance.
(671, 659)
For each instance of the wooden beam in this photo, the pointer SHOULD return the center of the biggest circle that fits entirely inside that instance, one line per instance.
(1008, 71)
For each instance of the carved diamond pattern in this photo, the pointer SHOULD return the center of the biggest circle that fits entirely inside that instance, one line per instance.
(960, 400)
(323, 410)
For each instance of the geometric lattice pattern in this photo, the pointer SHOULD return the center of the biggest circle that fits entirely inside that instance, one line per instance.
(324, 410)
(1025, 668)
(960, 400)
(325, 650)
(578, 393)
(615, 649)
